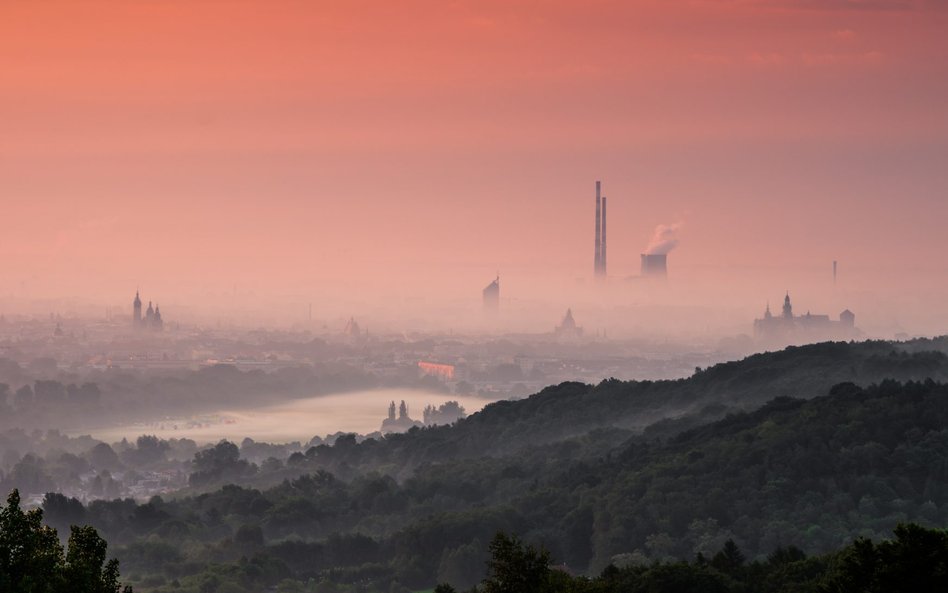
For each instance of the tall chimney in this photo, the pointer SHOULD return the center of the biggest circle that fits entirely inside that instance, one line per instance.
(598, 262)
(602, 249)
(834, 272)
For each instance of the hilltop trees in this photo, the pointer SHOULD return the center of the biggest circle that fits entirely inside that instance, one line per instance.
(516, 568)
(916, 560)
(221, 462)
(33, 561)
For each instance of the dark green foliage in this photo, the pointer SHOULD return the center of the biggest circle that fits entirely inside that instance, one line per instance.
(60, 512)
(917, 560)
(516, 568)
(730, 560)
(219, 463)
(32, 559)
(679, 577)
(86, 569)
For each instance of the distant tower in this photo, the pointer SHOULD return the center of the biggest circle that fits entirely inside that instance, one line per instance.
(602, 252)
(156, 323)
(847, 319)
(787, 308)
(403, 410)
(149, 315)
(391, 410)
(491, 295)
(137, 310)
(352, 328)
(597, 263)
(834, 272)
(767, 313)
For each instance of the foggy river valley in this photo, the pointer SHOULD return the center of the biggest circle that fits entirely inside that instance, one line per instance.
(298, 420)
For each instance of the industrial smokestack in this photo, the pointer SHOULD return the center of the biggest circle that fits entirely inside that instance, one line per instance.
(597, 264)
(834, 272)
(602, 251)
(654, 265)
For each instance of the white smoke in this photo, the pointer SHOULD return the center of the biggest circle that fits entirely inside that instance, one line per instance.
(664, 239)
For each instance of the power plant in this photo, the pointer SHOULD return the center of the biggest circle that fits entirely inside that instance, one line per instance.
(655, 265)
(655, 258)
(599, 263)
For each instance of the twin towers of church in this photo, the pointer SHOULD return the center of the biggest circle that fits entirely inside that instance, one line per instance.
(151, 320)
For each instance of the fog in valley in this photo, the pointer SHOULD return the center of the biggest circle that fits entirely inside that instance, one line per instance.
(359, 412)
(473, 297)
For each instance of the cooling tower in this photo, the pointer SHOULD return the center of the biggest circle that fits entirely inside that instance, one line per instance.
(654, 265)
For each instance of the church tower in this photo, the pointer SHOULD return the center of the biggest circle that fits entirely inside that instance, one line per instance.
(149, 315)
(137, 310)
(787, 308)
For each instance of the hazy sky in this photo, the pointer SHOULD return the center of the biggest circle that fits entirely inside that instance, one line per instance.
(359, 147)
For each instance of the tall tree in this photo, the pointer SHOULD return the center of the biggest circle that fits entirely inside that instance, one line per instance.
(33, 561)
(515, 567)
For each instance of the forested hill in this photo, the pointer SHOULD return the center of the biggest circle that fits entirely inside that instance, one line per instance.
(809, 473)
(620, 409)
(823, 461)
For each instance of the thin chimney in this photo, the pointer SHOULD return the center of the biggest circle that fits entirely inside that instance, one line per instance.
(598, 261)
(602, 253)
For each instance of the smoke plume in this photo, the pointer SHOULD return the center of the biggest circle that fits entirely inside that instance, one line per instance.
(664, 239)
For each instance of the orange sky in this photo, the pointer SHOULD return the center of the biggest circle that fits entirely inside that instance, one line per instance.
(366, 148)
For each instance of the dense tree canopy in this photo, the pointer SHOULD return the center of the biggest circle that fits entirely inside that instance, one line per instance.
(32, 559)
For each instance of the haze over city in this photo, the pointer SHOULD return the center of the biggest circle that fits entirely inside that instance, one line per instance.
(473, 296)
(246, 159)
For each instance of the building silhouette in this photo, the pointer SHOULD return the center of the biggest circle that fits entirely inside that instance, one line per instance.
(137, 310)
(400, 424)
(567, 328)
(152, 318)
(491, 295)
(788, 328)
(352, 328)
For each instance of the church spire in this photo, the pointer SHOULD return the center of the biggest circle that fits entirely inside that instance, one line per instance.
(787, 307)
(137, 310)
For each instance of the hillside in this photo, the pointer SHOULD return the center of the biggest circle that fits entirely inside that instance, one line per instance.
(846, 461)
(617, 410)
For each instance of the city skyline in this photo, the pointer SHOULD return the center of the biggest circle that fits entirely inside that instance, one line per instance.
(334, 152)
